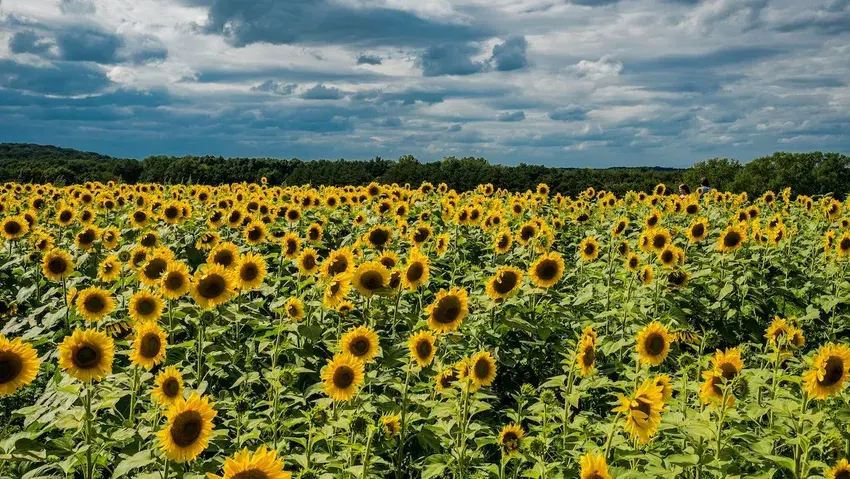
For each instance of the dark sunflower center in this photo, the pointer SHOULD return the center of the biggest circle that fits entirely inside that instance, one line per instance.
(589, 356)
(388, 261)
(291, 247)
(171, 387)
(12, 228)
(503, 242)
(292, 215)
(583, 217)
(57, 265)
(212, 286)
(292, 310)
(308, 262)
(234, 217)
(415, 271)
(731, 239)
(620, 227)
(86, 237)
(187, 428)
(372, 280)
(652, 221)
(447, 310)
(654, 344)
(691, 209)
(447, 379)
(482, 369)
(155, 268)
(728, 370)
(360, 346)
(547, 269)
(338, 265)
(255, 234)
(843, 474)
(314, 234)
(249, 272)
(151, 345)
(677, 278)
(667, 257)
(633, 262)
(642, 406)
(94, 303)
(526, 233)
(140, 216)
(505, 283)
(595, 476)
(86, 357)
(698, 230)
(589, 249)
(834, 371)
(65, 216)
(11, 366)
(250, 474)
(223, 257)
(174, 281)
(423, 349)
(148, 240)
(659, 241)
(139, 257)
(146, 306)
(379, 237)
(844, 244)
(421, 235)
(343, 377)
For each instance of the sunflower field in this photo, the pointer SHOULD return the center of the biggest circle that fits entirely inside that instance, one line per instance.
(250, 331)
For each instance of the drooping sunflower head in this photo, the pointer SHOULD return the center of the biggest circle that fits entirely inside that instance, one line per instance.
(361, 343)
(87, 355)
(148, 345)
(829, 371)
(212, 285)
(482, 370)
(643, 410)
(446, 379)
(342, 376)
(619, 226)
(646, 275)
(250, 271)
(510, 439)
(653, 343)
(56, 265)
(416, 271)
(593, 466)
(175, 281)
(588, 249)
(145, 306)
(188, 428)
(371, 277)
(94, 303)
(504, 283)
(18, 365)
(422, 347)
(842, 246)
(168, 386)
(336, 289)
(447, 311)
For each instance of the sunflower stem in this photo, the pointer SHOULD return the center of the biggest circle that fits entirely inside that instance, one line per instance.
(366, 454)
(403, 419)
(133, 395)
(88, 420)
(610, 438)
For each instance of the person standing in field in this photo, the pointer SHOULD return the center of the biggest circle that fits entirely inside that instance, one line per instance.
(684, 190)
(704, 186)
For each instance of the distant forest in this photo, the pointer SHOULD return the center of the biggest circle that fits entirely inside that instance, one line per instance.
(806, 173)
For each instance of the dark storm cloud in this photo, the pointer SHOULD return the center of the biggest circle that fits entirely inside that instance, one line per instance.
(63, 78)
(28, 41)
(510, 55)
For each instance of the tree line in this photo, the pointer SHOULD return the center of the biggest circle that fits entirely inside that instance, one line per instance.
(811, 173)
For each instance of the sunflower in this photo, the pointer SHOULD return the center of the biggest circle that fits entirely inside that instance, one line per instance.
(646, 275)
(642, 410)
(250, 272)
(145, 306)
(547, 270)
(593, 466)
(110, 237)
(588, 249)
(840, 471)
(64, 216)
(175, 281)
(527, 232)
(448, 310)
(168, 386)
(344, 307)
(371, 277)
(343, 374)
(416, 271)
(653, 343)
(261, 464)
(294, 308)
(666, 384)
(379, 236)
(669, 256)
(56, 265)
(156, 262)
(336, 290)
(698, 230)
(188, 428)
(442, 244)
(149, 239)
(308, 262)
(338, 261)
(632, 262)
(731, 238)
(149, 345)
(255, 233)
(212, 286)
(391, 425)
(14, 227)
(619, 226)
(361, 343)
(140, 218)
(422, 347)
(7, 308)
(446, 379)
(482, 370)
(314, 232)
(421, 234)
(207, 241)
(502, 241)
(829, 371)
(842, 246)
(726, 365)
(657, 239)
(94, 303)
(18, 365)
(586, 356)
(225, 255)
(87, 354)
(109, 269)
(504, 283)
(510, 438)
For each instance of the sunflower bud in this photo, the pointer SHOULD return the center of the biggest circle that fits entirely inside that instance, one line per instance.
(547, 396)
(360, 423)
(537, 446)
(527, 390)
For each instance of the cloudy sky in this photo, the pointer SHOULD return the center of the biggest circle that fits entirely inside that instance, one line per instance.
(563, 83)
